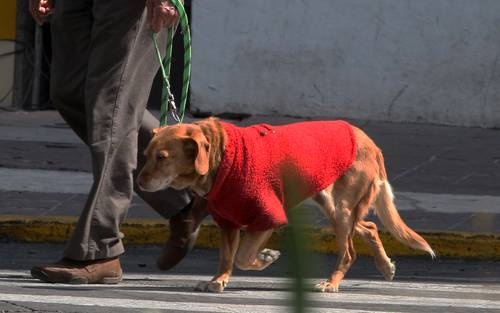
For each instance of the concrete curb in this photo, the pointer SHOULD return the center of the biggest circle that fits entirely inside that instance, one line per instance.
(155, 231)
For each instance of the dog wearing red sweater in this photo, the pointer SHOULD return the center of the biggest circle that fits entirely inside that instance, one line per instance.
(251, 175)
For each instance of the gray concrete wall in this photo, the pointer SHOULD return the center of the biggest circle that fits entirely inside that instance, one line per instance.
(431, 61)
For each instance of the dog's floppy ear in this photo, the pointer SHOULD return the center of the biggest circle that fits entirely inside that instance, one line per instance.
(198, 146)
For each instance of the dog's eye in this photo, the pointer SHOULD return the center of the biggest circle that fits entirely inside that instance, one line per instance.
(162, 155)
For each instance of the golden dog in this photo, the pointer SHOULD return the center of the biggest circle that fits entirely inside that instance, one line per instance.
(189, 155)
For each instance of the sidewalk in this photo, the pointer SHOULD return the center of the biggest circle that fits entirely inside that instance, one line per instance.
(446, 180)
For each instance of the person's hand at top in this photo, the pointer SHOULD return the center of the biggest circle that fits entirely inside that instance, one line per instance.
(40, 9)
(161, 14)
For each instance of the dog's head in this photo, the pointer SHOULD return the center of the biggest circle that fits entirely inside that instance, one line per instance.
(176, 157)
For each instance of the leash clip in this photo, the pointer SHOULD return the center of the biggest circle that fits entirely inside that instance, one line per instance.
(172, 108)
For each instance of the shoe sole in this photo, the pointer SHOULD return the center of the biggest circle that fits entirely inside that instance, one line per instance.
(41, 275)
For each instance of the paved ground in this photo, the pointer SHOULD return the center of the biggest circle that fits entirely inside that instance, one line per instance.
(420, 285)
(445, 178)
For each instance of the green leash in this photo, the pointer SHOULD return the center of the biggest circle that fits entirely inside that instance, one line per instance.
(167, 98)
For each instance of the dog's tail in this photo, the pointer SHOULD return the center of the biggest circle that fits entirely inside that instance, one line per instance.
(390, 218)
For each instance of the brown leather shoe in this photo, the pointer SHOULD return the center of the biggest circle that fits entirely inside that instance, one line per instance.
(184, 228)
(66, 271)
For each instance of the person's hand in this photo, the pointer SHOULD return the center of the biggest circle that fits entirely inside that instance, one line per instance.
(40, 9)
(161, 14)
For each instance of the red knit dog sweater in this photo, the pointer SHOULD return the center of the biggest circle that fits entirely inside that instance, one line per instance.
(266, 169)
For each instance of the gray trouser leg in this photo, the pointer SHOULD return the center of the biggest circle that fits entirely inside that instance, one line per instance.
(102, 71)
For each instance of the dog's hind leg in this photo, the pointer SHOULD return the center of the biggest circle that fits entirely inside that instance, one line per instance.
(366, 230)
(250, 256)
(344, 226)
(369, 233)
(325, 200)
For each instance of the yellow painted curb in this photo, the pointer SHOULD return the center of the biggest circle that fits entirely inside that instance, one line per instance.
(155, 231)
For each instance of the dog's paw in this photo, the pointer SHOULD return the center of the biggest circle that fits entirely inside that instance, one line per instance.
(211, 286)
(268, 255)
(326, 286)
(388, 270)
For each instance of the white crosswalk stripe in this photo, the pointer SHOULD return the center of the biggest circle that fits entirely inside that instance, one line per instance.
(250, 294)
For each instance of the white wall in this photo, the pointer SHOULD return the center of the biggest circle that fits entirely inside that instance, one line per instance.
(6, 74)
(397, 60)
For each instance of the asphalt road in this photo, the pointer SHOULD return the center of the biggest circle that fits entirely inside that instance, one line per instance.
(420, 285)
(445, 177)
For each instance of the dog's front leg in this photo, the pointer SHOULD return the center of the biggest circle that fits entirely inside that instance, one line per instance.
(251, 256)
(229, 241)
